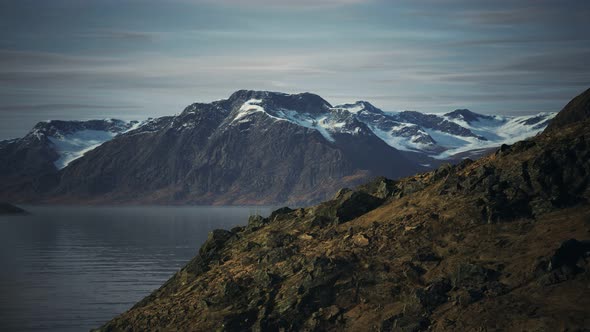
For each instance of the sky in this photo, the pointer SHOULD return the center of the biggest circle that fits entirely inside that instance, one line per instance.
(133, 59)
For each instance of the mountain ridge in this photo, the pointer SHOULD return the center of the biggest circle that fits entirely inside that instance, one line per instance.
(219, 146)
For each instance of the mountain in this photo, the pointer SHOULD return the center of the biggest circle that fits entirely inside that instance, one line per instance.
(500, 243)
(256, 147)
(28, 165)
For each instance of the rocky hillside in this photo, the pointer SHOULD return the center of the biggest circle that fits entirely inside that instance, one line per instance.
(496, 244)
(7, 208)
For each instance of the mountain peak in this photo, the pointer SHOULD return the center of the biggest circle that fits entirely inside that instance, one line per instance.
(303, 102)
(64, 127)
(578, 109)
(254, 94)
(359, 106)
(465, 115)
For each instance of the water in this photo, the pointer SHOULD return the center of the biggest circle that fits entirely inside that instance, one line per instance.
(74, 268)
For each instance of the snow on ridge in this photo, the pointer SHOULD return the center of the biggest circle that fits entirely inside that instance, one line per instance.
(73, 146)
(497, 130)
(352, 108)
(440, 144)
(322, 124)
(250, 107)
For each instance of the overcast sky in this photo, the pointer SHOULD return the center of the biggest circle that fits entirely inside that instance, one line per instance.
(76, 59)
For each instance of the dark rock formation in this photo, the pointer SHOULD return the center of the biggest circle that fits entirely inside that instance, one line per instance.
(466, 115)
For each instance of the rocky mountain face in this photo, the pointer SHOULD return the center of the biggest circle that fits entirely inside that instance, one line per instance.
(500, 243)
(29, 165)
(256, 147)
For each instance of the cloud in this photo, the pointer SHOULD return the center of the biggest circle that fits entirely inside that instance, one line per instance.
(122, 35)
(291, 4)
(62, 107)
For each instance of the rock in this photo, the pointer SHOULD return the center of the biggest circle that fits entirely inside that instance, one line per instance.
(465, 297)
(280, 213)
(267, 279)
(214, 242)
(306, 237)
(256, 221)
(237, 229)
(279, 254)
(472, 276)
(405, 323)
(563, 265)
(380, 187)
(411, 228)
(434, 294)
(278, 239)
(350, 205)
(426, 255)
(568, 254)
(360, 240)
(242, 321)
(341, 193)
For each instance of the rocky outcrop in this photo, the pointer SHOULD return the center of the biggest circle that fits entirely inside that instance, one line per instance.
(576, 110)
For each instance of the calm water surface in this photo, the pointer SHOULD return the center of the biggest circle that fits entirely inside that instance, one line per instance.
(74, 268)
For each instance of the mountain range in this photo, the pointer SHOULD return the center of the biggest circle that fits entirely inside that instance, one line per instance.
(256, 147)
(500, 243)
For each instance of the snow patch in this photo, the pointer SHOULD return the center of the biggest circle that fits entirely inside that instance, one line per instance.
(322, 124)
(399, 142)
(73, 146)
(250, 107)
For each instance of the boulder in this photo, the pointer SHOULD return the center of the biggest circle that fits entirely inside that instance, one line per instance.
(214, 242)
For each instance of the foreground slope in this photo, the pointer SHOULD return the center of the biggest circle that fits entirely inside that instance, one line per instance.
(498, 244)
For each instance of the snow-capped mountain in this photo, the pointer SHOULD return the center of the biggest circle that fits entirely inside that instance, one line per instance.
(28, 165)
(256, 147)
(71, 139)
(442, 136)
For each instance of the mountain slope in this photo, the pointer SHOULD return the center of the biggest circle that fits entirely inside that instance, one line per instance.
(576, 110)
(498, 243)
(28, 166)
